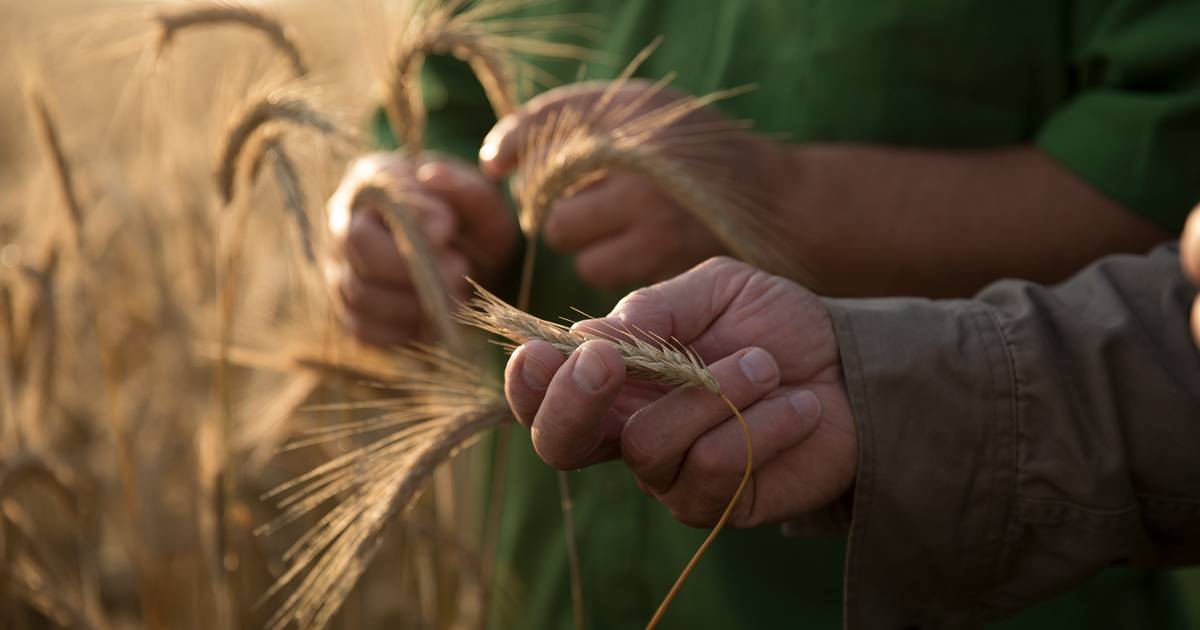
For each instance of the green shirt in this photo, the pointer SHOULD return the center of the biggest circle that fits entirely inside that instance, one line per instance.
(1110, 89)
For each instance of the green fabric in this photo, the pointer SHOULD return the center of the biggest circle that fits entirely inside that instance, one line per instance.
(1099, 85)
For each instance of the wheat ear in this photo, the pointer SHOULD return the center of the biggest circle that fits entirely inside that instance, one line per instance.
(662, 364)
(269, 148)
(271, 107)
(172, 21)
(443, 408)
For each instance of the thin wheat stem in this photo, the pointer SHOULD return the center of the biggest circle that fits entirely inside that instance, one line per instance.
(712, 535)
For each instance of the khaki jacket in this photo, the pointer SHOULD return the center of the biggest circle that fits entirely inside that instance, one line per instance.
(1012, 445)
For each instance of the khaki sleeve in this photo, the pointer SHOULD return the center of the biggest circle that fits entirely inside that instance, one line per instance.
(1014, 444)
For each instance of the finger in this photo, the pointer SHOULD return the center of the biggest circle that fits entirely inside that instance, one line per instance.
(499, 153)
(631, 258)
(1189, 246)
(573, 426)
(527, 376)
(474, 199)
(372, 253)
(377, 302)
(656, 439)
(598, 211)
(715, 464)
(681, 308)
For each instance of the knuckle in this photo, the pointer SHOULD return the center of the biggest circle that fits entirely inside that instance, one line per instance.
(637, 449)
(709, 458)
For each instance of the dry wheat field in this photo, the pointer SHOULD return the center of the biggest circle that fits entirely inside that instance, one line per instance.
(187, 437)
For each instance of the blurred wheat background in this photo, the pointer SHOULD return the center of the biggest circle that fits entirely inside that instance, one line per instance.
(130, 495)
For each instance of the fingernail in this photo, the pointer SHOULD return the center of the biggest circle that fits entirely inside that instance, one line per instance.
(534, 373)
(590, 373)
(489, 150)
(758, 366)
(433, 173)
(806, 404)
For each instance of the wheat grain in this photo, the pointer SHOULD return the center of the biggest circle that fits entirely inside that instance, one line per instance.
(656, 363)
(173, 21)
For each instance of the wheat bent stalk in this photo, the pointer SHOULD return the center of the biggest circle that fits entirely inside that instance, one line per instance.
(662, 364)
(409, 236)
(272, 107)
(172, 21)
(405, 105)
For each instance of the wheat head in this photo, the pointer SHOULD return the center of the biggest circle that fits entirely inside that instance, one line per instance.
(173, 21)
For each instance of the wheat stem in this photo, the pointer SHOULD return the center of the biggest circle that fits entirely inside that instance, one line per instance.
(712, 535)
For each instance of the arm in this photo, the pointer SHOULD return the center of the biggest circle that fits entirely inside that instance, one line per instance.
(1012, 445)
(864, 220)
(999, 450)
(900, 221)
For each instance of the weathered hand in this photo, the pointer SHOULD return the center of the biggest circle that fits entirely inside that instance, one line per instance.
(1189, 249)
(622, 228)
(466, 222)
(771, 346)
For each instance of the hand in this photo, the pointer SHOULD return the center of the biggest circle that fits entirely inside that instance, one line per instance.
(624, 230)
(771, 346)
(1189, 246)
(466, 221)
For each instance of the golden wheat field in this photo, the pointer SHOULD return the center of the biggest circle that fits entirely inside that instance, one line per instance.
(189, 437)
(178, 406)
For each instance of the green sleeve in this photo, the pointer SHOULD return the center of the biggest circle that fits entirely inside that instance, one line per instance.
(1133, 129)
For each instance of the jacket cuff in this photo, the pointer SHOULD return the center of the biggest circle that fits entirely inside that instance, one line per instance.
(932, 389)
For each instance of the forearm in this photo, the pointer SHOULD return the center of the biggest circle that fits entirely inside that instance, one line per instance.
(1014, 444)
(941, 223)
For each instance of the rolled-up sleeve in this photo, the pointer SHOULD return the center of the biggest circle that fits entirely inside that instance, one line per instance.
(1014, 444)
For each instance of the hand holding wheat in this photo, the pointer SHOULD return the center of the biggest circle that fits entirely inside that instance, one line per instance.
(465, 222)
(774, 356)
(636, 218)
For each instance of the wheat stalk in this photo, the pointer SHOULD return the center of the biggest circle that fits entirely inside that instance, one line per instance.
(173, 21)
(442, 410)
(472, 34)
